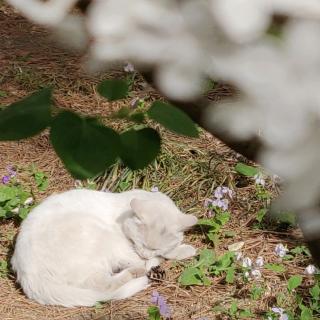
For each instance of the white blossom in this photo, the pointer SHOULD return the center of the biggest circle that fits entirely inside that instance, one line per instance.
(259, 262)
(310, 269)
(256, 273)
(28, 201)
(246, 262)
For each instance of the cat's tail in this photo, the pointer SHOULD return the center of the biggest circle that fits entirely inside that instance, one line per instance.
(69, 296)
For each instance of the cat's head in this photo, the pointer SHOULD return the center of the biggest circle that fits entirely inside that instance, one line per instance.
(157, 227)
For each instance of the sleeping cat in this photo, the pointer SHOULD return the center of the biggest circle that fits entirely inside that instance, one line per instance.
(84, 246)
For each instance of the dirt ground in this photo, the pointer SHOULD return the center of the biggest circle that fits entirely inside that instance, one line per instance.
(188, 170)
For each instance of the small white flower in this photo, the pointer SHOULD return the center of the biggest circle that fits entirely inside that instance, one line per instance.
(246, 262)
(154, 189)
(15, 210)
(238, 255)
(247, 275)
(310, 270)
(259, 262)
(78, 184)
(256, 273)
(129, 67)
(280, 250)
(28, 201)
(259, 180)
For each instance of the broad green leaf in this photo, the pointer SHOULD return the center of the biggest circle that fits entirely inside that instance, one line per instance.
(85, 146)
(294, 282)
(306, 313)
(114, 89)
(260, 214)
(275, 267)
(7, 193)
(139, 147)
(315, 292)
(230, 275)
(173, 119)
(246, 170)
(207, 257)
(23, 212)
(222, 217)
(245, 314)
(190, 276)
(233, 308)
(26, 117)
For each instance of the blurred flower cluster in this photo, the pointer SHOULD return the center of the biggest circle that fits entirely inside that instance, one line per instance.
(273, 62)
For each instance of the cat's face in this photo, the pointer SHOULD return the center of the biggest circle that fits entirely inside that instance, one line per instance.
(157, 227)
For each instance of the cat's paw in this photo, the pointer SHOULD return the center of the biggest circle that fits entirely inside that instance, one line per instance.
(181, 252)
(137, 272)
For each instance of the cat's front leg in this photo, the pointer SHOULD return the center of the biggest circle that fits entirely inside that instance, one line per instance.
(184, 251)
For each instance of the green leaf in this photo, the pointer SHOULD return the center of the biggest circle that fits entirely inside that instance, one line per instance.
(190, 276)
(233, 308)
(315, 292)
(23, 212)
(294, 282)
(206, 258)
(154, 313)
(245, 314)
(113, 89)
(173, 119)
(137, 117)
(260, 215)
(26, 117)
(7, 193)
(41, 180)
(139, 147)
(275, 267)
(222, 217)
(230, 275)
(246, 170)
(85, 146)
(306, 313)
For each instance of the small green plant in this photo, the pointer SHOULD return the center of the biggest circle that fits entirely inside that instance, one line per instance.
(256, 292)
(208, 265)
(217, 212)
(40, 178)
(234, 312)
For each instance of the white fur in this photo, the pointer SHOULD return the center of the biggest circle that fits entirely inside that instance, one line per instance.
(84, 246)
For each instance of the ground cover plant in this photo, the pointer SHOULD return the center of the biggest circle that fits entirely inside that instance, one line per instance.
(249, 266)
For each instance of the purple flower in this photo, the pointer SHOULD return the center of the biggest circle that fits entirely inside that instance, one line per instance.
(207, 202)
(12, 172)
(218, 194)
(160, 301)
(280, 250)
(5, 179)
(221, 203)
(229, 192)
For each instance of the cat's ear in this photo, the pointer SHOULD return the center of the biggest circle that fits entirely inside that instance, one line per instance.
(142, 209)
(187, 221)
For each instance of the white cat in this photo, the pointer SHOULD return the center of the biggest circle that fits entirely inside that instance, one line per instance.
(84, 246)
